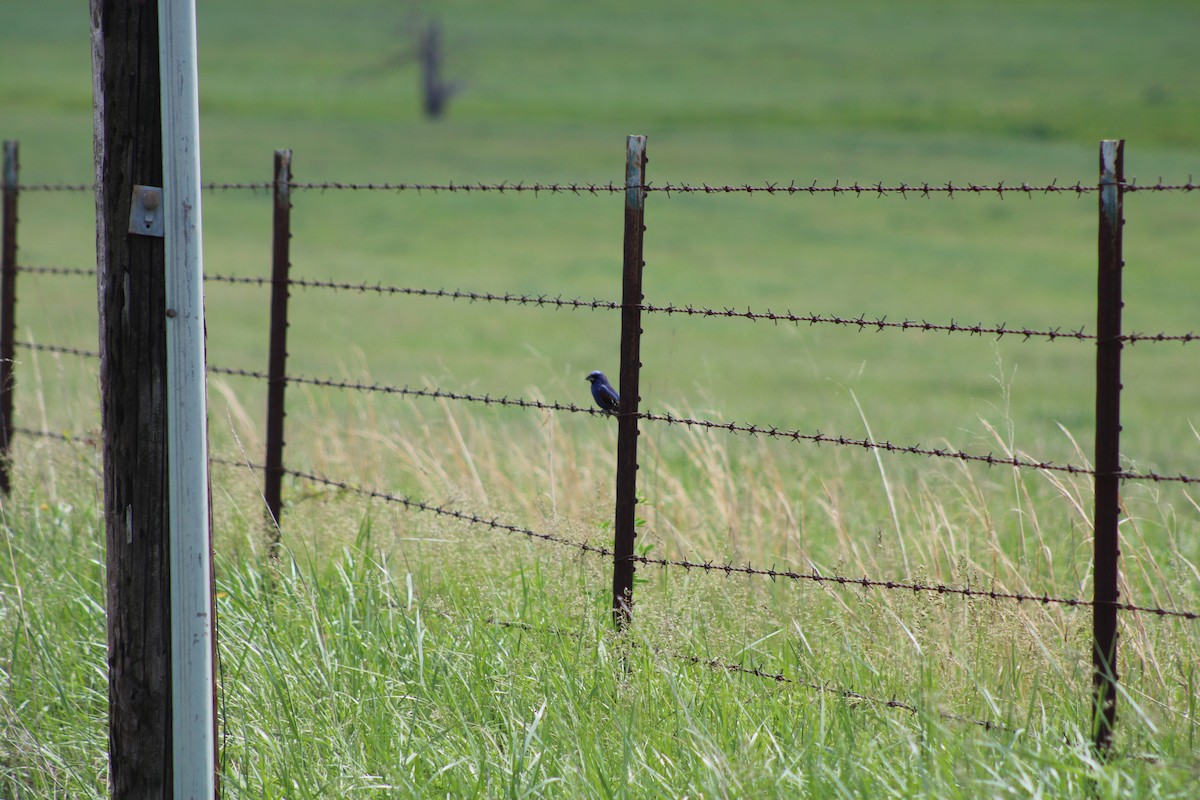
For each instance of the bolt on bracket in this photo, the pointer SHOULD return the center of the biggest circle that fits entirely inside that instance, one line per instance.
(146, 211)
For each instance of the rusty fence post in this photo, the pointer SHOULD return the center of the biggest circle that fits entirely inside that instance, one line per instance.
(277, 363)
(631, 345)
(1107, 552)
(8, 307)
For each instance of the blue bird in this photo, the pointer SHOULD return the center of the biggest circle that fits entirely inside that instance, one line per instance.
(605, 395)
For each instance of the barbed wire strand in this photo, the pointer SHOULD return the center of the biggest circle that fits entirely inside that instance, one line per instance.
(44, 270)
(990, 459)
(778, 677)
(828, 688)
(55, 187)
(769, 431)
(87, 440)
(862, 322)
(57, 348)
(729, 569)
(818, 438)
(472, 519)
(591, 188)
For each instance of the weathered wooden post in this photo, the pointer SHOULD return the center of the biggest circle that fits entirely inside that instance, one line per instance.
(131, 281)
(161, 629)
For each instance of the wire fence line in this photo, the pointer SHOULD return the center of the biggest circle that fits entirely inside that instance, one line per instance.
(492, 523)
(712, 663)
(720, 665)
(588, 188)
(39, 433)
(727, 569)
(861, 322)
(818, 438)
(1108, 341)
(767, 431)
(730, 569)
(89, 272)
(57, 348)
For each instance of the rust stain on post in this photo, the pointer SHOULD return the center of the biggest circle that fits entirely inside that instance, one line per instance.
(1108, 442)
(627, 421)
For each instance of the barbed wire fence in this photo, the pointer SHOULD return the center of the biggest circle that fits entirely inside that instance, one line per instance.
(1109, 339)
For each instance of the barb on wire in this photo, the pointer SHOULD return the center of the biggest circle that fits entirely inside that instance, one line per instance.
(471, 519)
(56, 348)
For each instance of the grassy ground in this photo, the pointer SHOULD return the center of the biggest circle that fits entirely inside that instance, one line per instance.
(393, 652)
(374, 660)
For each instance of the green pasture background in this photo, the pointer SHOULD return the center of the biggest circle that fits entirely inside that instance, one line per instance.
(745, 93)
(923, 91)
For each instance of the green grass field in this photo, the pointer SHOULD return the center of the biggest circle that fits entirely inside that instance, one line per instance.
(396, 653)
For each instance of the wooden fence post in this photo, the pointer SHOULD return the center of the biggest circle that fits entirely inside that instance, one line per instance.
(8, 306)
(277, 366)
(1106, 554)
(627, 415)
(131, 281)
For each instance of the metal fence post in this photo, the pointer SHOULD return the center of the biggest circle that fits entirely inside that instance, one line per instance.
(8, 306)
(277, 365)
(627, 416)
(1108, 443)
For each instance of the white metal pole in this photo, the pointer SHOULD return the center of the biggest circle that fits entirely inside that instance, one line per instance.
(187, 428)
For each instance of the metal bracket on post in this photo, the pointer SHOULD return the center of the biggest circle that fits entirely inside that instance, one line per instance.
(146, 211)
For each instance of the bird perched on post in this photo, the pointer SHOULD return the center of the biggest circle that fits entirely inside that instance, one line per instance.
(602, 391)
